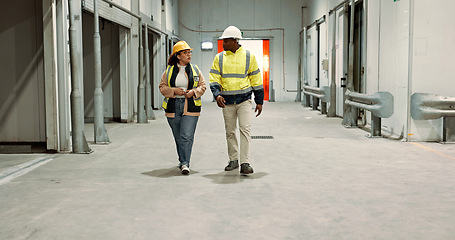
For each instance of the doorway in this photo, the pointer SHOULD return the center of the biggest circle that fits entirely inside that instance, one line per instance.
(341, 42)
(110, 69)
(261, 49)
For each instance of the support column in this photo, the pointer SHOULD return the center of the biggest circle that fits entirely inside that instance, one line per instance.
(141, 118)
(148, 86)
(100, 131)
(77, 106)
(333, 86)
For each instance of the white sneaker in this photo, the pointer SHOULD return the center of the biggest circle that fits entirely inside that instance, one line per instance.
(185, 170)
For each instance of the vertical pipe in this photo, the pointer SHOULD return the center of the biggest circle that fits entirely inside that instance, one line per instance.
(318, 49)
(148, 86)
(141, 118)
(333, 96)
(100, 132)
(410, 67)
(305, 64)
(353, 115)
(350, 112)
(77, 114)
(298, 98)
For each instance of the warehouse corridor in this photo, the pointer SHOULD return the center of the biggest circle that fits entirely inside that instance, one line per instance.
(314, 180)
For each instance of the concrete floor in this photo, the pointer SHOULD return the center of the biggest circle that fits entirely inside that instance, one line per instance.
(314, 180)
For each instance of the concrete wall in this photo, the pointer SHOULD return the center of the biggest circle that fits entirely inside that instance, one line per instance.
(205, 20)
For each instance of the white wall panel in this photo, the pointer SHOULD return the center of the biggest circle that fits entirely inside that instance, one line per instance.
(172, 16)
(323, 54)
(433, 59)
(151, 8)
(393, 61)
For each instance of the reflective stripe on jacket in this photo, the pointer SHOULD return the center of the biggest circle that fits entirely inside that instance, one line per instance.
(192, 71)
(235, 76)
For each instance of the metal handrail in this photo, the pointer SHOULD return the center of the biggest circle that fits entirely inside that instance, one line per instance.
(380, 104)
(322, 93)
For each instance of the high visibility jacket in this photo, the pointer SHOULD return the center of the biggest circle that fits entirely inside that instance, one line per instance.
(192, 71)
(235, 76)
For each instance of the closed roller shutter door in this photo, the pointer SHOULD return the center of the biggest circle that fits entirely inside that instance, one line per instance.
(110, 13)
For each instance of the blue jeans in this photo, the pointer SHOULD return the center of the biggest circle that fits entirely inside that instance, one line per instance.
(183, 128)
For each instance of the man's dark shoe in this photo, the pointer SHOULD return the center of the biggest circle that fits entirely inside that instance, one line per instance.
(232, 165)
(246, 168)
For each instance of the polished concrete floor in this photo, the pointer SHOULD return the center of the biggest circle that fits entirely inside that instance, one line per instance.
(314, 180)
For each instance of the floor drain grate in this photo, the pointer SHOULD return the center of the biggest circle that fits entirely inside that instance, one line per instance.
(261, 137)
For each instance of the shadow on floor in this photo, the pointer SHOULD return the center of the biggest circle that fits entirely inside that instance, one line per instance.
(233, 177)
(167, 172)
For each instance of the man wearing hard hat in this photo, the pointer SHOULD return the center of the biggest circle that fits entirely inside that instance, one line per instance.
(234, 76)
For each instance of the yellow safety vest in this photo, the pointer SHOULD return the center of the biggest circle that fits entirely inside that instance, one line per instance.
(193, 80)
(240, 76)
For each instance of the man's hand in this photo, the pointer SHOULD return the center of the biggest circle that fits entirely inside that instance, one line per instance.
(258, 109)
(220, 101)
(179, 91)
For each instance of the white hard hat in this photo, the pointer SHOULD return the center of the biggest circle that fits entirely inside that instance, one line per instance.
(232, 32)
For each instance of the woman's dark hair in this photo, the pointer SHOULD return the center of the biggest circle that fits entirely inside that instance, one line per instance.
(173, 59)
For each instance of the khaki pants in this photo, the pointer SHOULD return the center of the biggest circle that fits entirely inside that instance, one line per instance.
(242, 112)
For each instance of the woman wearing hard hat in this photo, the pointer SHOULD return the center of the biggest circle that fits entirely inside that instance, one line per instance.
(182, 85)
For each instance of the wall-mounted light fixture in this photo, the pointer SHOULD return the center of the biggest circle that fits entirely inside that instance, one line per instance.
(207, 45)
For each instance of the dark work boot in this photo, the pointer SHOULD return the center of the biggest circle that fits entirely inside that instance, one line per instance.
(232, 165)
(246, 168)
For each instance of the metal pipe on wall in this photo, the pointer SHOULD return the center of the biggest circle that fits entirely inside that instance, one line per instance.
(350, 113)
(148, 86)
(141, 118)
(305, 65)
(333, 96)
(77, 106)
(298, 98)
(100, 131)
(410, 66)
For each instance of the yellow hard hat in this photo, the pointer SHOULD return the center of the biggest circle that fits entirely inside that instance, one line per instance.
(180, 46)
